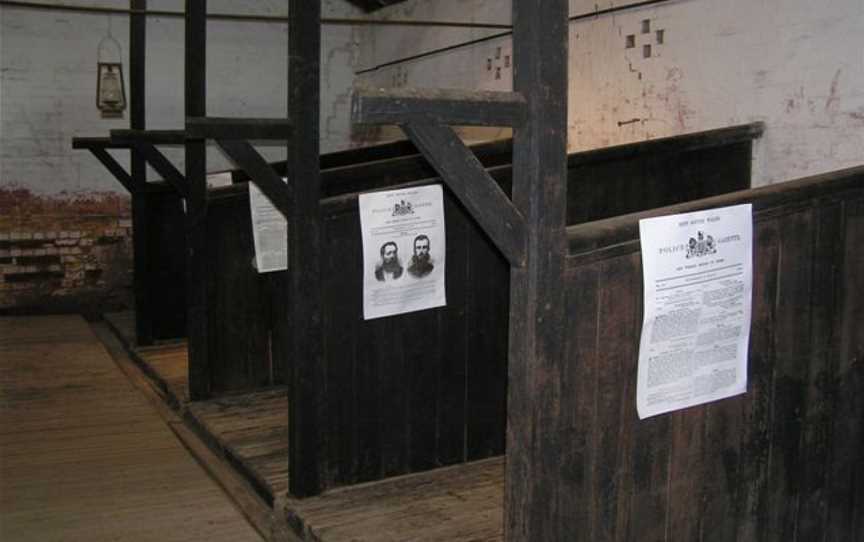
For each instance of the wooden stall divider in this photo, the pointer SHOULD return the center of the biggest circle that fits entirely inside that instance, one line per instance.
(781, 458)
(196, 201)
(306, 411)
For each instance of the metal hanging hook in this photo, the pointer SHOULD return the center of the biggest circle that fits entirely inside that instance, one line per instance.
(107, 40)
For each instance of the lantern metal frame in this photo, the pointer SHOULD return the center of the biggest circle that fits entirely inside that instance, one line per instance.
(102, 68)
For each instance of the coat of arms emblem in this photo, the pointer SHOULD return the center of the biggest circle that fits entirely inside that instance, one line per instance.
(701, 245)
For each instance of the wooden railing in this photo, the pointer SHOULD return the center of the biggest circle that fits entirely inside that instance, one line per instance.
(417, 391)
(779, 462)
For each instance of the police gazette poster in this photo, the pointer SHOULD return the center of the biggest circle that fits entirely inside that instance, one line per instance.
(269, 232)
(403, 250)
(698, 280)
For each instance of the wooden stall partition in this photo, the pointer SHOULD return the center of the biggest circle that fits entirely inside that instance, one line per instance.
(779, 462)
(416, 391)
(241, 302)
(162, 263)
(629, 178)
(240, 337)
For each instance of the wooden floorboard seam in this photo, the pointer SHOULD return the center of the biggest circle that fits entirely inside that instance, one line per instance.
(240, 432)
(246, 498)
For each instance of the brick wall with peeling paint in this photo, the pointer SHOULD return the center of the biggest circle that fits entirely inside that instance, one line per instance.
(61, 254)
(64, 221)
(678, 67)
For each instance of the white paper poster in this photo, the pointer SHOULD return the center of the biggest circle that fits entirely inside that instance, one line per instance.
(403, 251)
(698, 277)
(216, 180)
(269, 232)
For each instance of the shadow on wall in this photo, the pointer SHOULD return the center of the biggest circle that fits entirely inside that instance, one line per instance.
(64, 253)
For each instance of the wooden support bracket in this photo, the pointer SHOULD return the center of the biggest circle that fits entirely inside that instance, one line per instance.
(444, 106)
(262, 174)
(154, 137)
(163, 166)
(238, 128)
(88, 143)
(474, 187)
(116, 169)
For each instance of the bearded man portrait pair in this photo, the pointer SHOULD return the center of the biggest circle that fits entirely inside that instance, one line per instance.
(390, 267)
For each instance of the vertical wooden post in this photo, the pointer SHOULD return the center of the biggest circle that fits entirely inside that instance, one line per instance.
(306, 408)
(537, 323)
(196, 202)
(140, 208)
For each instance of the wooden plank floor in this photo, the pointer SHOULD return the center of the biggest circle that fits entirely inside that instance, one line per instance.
(251, 430)
(460, 503)
(167, 364)
(84, 456)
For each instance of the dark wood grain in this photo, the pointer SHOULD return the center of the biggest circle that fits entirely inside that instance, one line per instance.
(196, 202)
(845, 476)
(238, 128)
(244, 155)
(138, 172)
(444, 106)
(239, 340)
(477, 191)
(153, 137)
(780, 462)
(819, 407)
(537, 321)
(451, 360)
(110, 163)
(307, 408)
(486, 375)
(452, 328)
(163, 166)
(164, 268)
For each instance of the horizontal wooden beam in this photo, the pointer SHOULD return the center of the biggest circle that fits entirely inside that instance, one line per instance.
(116, 169)
(473, 186)
(672, 144)
(88, 143)
(238, 128)
(444, 106)
(155, 137)
(262, 174)
(163, 167)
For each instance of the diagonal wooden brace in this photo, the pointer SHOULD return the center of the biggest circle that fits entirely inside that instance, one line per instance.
(473, 185)
(247, 158)
(116, 169)
(163, 167)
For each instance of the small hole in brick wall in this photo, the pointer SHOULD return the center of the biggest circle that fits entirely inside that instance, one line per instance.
(506, 61)
(646, 51)
(646, 26)
(661, 36)
(488, 64)
(630, 41)
(497, 73)
(497, 53)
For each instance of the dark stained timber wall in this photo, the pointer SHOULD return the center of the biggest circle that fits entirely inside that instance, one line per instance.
(165, 246)
(422, 390)
(780, 462)
(416, 391)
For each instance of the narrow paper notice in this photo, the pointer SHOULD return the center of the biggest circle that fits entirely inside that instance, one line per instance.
(698, 277)
(403, 251)
(269, 232)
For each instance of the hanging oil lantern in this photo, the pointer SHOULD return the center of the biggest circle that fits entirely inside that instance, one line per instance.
(110, 91)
